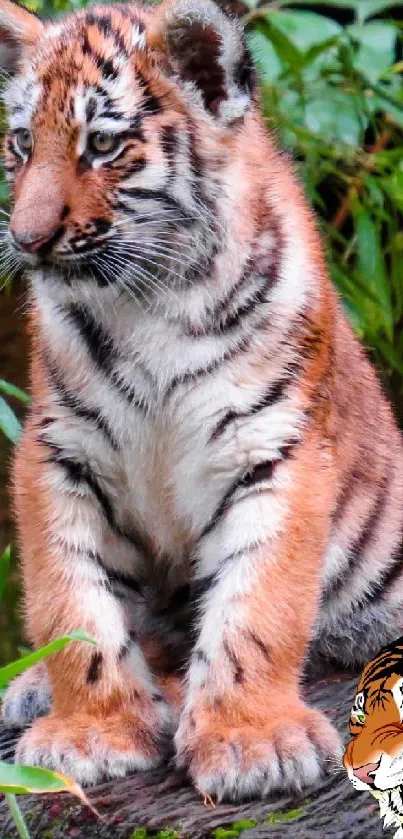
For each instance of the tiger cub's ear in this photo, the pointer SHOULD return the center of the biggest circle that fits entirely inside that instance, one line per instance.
(19, 31)
(208, 52)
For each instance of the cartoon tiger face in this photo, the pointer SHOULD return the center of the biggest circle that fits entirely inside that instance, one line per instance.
(113, 110)
(374, 756)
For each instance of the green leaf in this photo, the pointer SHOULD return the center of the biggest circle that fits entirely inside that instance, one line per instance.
(335, 115)
(9, 424)
(16, 667)
(27, 779)
(304, 29)
(4, 569)
(265, 57)
(368, 8)
(12, 390)
(376, 50)
(371, 264)
(395, 360)
(23, 780)
(286, 51)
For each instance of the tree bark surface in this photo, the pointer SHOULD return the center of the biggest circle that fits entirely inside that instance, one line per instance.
(163, 799)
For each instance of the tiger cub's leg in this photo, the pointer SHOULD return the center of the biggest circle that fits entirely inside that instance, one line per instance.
(108, 714)
(245, 729)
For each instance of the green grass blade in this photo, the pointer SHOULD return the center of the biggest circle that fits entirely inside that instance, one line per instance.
(9, 423)
(4, 569)
(16, 667)
(12, 390)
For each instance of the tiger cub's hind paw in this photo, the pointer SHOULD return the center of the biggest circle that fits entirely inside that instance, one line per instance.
(27, 698)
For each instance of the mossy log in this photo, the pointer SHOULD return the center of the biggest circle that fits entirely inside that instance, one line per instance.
(162, 803)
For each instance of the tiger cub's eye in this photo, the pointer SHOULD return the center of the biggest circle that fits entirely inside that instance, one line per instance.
(24, 141)
(102, 143)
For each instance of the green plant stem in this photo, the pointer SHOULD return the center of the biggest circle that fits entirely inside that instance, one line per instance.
(17, 816)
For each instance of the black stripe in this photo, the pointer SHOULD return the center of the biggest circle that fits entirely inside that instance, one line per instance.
(124, 651)
(109, 112)
(260, 473)
(90, 109)
(197, 272)
(274, 393)
(104, 24)
(266, 270)
(388, 658)
(103, 64)
(197, 169)
(239, 672)
(200, 587)
(343, 581)
(190, 377)
(389, 577)
(161, 197)
(169, 145)
(394, 649)
(348, 491)
(150, 103)
(99, 344)
(102, 350)
(135, 130)
(233, 320)
(80, 472)
(124, 579)
(95, 668)
(242, 345)
(201, 656)
(260, 645)
(132, 168)
(107, 68)
(390, 669)
(69, 400)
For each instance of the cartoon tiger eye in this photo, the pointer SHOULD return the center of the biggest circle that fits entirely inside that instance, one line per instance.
(24, 140)
(360, 701)
(102, 143)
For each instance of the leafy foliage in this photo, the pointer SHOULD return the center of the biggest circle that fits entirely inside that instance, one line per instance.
(334, 94)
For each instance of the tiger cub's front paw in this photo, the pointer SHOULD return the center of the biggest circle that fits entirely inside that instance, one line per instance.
(90, 749)
(27, 698)
(240, 762)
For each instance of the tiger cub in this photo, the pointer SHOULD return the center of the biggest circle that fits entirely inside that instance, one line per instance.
(210, 480)
(374, 756)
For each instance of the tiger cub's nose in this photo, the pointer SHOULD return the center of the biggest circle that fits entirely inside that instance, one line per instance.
(365, 773)
(31, 244)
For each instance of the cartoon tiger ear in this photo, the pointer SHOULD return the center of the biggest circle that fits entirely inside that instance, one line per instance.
(208, 52)
(19, 31)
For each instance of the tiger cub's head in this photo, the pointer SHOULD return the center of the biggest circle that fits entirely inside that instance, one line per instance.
(121, 121)
(374, 756)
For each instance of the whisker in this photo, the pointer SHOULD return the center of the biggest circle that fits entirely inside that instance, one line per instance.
(141, 251)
